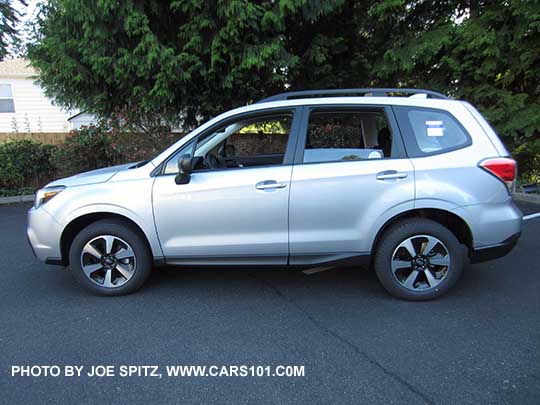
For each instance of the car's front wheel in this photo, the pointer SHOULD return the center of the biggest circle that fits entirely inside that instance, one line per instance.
(109, 257)
(418, 259)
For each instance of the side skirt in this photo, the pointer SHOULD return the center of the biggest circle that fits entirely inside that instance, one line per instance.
(301, 261)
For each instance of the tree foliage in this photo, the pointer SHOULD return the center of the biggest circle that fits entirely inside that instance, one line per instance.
(485, 52)
(154, 60)
(9, 17)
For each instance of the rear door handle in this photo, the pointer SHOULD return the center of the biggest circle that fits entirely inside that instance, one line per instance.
(391, 175)
(269, 185)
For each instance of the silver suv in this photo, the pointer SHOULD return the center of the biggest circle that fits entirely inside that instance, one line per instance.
(408, 181)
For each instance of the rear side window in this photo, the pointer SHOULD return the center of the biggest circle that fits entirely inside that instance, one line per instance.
(429, 131)
(358, 134)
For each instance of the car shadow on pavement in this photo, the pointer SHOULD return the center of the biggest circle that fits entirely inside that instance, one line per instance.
(346, 279)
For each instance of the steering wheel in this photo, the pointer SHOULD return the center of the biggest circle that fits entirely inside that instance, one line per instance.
(227, 151)
(211, 161)
(227, 154)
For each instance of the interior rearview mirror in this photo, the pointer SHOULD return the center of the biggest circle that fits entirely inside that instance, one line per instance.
(185, 167)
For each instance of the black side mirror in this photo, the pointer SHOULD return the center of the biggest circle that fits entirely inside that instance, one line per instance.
(185, 168)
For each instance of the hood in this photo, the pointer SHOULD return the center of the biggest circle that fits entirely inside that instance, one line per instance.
(93, 176)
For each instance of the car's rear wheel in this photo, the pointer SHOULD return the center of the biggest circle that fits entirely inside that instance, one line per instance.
(110, 258)
(418, 259)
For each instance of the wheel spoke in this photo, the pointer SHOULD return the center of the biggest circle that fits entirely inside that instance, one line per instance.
(90, 268)
(124, 271)
(124, 253)
(432, 281)
(409, 281)
(410, 247)
(428, 246)
(109, 242)
(440, 260)
(92, 251)
(107, 282)
(400, 264)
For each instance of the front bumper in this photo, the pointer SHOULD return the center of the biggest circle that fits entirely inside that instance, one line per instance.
(486, 253)
(44, 234)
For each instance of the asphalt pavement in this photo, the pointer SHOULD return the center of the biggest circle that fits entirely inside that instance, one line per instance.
(478, 344)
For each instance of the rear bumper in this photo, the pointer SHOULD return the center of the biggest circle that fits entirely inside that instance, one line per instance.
(486, 253)
(495, 228)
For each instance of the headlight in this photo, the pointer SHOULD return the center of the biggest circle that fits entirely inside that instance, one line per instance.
(47, 193)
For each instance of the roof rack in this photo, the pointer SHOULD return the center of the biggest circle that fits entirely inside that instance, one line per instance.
(374, 92)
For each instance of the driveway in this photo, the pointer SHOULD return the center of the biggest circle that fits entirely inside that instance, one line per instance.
(480, 343)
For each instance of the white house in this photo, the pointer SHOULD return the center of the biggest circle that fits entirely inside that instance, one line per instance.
(82, 119)
(23, 106)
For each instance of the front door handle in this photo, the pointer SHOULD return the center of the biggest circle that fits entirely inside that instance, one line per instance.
(391, 175)
(269, 185)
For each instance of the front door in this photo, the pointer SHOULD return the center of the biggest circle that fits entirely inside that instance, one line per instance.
(235, 207)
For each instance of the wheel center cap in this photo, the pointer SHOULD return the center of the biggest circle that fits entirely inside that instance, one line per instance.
(420, 262)
(108, 261)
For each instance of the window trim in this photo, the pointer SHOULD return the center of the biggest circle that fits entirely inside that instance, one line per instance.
(409, 138)
(397, 140)
(289, 150)
(12, 98)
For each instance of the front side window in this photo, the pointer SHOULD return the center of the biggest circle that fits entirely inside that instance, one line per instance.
(335, 136)
(6, 99)
(248, 142)
(430, 131)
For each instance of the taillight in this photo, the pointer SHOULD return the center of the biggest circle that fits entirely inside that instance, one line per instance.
(502, 168)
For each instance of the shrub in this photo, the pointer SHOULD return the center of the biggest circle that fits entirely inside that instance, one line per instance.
(25, 164)
(94, 147)
(527, 155)
(85, 149)
(134, 147)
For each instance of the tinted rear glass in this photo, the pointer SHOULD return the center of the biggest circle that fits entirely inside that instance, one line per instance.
(429, 131)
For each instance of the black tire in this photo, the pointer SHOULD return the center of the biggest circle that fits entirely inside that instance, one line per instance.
(399, 233)
(125, 232)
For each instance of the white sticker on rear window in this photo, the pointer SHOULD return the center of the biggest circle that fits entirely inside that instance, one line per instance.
(434, 128)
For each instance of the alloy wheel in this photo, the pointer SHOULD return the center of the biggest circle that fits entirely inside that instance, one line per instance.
(108, 261)
(420, 262)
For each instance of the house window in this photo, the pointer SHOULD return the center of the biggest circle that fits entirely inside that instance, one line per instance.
(6, 99)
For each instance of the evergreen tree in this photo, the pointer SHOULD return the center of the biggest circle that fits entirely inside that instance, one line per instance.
(9, 17)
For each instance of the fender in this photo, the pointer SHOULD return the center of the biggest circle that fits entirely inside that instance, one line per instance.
(377, 224)
(435, 203)
(148, 229)
(410, 207)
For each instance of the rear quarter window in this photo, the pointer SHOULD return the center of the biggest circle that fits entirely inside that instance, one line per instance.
(430, 131)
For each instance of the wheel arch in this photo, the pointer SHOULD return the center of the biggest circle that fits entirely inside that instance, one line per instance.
(79, 223)
(450, 220)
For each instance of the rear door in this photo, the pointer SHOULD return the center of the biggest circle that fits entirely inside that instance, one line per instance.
(350, 173)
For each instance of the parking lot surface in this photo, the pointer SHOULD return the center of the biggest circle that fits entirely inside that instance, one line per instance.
(480, 343)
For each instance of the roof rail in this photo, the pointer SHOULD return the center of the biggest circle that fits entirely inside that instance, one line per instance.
(375, 92)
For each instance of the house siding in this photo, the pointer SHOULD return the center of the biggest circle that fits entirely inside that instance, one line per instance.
(32, 109)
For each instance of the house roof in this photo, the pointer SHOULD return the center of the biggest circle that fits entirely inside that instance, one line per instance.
(16, 68)
(76, 115)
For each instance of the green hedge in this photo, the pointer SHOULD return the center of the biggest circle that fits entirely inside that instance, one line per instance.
(87, 149)
(27, 165)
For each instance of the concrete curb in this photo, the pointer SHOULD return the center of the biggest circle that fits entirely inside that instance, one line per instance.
(530, 198)
(16, 199)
